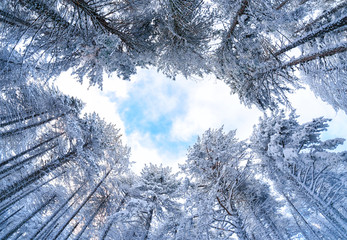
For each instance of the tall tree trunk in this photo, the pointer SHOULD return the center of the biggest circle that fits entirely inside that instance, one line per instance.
(71, 231)
(19, 225)
(20, 129)
(4, 208)
(29, 150)
(109, 225)
(322, 16)
(297, 214)
(41, 8)
(342, 21)
(55, 213)
(13, 19)
(31, 178)
(235, 20)
(90, 219)
(22, 119)
(11, 215)
(80, 207)
(148, 224)
(19, 164)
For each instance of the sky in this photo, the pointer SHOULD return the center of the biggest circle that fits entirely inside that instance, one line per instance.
(160, 118)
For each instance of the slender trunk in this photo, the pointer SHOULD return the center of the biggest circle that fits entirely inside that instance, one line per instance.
(94, 15)
(51, 226)
(109, 225)
(6, 207)
(71, 231)
(55, 213)
(21, 119)
(237, 222)
(11, 215)
(148, 224)
(18, 226)
(235, 21)
(29, 150)
(20, 129)
(282, 4)
(80, 207)
(324, 15)
(31, 178)
(307, 58)
(297, 214)
(41, 8)
(314, 34)
(90, 219)
(324, 53)
(13, 19)
(19, 164)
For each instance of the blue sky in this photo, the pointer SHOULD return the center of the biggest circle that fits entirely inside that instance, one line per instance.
(159, 118)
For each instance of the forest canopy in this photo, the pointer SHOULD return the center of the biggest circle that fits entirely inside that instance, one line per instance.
(65, 175)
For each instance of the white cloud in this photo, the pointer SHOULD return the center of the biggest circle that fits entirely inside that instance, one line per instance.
(210, 105)
(145, 151)
(193, 107)
(95, 99)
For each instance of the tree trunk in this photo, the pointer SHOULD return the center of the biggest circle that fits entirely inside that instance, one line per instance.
(235, 21)
(20, 129)
(81, 206)
(21, 119)
(13, 230)
(31, 178)
(6, 207)
(11, 215)
(322, 16)
(55, 213)
(41, 8)
(313, 34)
(19, 164)
(13, 19)
(90, 219)
(29, 150)
(148, 224)
(109, 225)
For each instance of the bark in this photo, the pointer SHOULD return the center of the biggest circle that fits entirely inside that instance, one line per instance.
(20, 129)
(237, 222)
(98, 19)
(29, 150)
(19, 164)
(340, 22)
(6, 207)
(302, 219)
(13, 19)
(324, 53)
(12, 214)
(235, 21)
(324, 15)
(148, 224)
(81, 206)
(55, 213)
(90, 219)
(41, 8)
(21, 119)
(36, 175)
(109, 225)
(282, 4)
(24, 221)
(71, 231)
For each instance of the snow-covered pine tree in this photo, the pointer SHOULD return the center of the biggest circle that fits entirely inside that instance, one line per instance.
(305, 171)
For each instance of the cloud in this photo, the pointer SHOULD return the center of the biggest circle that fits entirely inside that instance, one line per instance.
(160, 118)
(308, 106)
(210, 105)
(96, 100)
